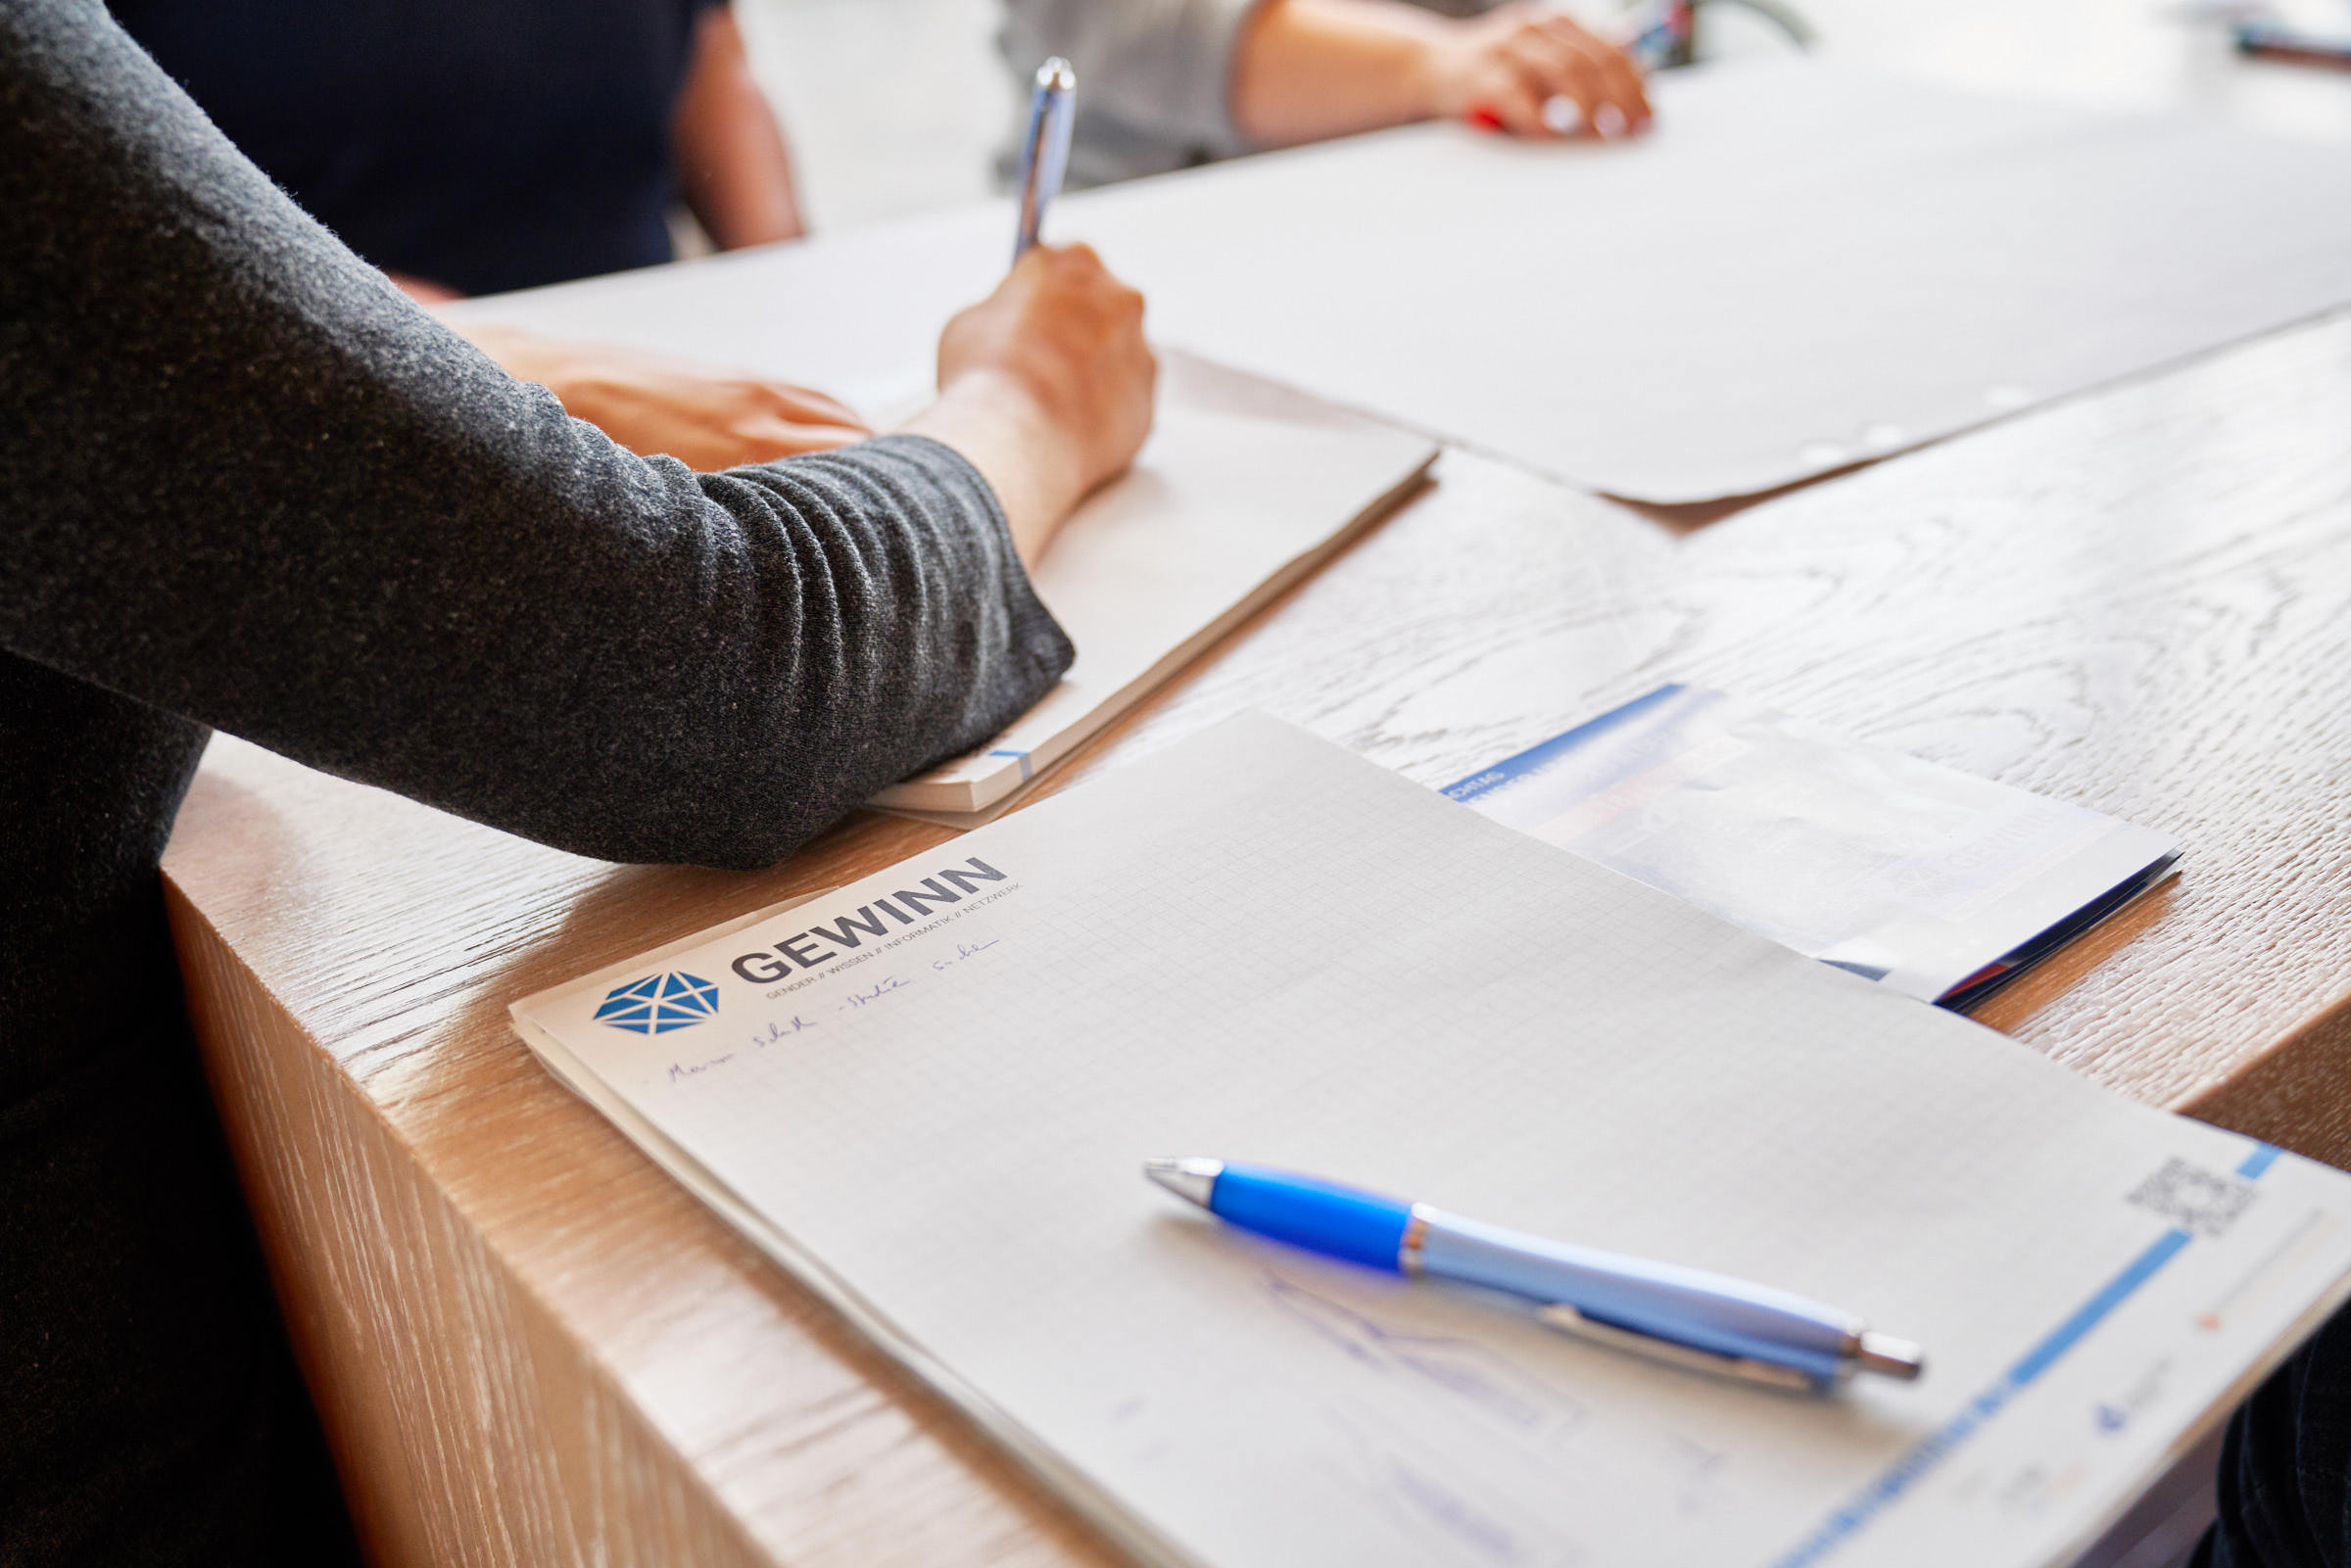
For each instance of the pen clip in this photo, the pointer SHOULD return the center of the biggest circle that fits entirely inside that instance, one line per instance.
(1746, 1368)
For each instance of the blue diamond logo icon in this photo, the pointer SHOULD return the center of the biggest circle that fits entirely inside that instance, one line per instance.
(659, 1002)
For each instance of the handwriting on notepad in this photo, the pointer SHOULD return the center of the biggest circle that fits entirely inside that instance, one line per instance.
(686, 1069)
(963, 951)
(874, 993)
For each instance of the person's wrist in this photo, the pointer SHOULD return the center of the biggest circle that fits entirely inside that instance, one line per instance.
(1032, 460)
(1432, 71)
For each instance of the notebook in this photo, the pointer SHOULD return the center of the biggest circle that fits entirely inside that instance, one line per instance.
(1243, 489)
(927, 1096)
(1939, 883)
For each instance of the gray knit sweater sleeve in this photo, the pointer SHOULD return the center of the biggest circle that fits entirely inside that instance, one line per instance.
(244, 481)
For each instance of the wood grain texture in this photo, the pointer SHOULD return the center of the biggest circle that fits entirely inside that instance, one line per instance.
(533, 1349)
(529, 1346)
(2139, 601)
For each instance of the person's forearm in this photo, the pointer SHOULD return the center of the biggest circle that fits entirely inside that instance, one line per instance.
(296, 508)
(706, 416)
(1306, 70)
(734, 168)
(1024, 457)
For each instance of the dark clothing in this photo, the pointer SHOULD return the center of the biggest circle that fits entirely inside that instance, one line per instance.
(484, 144)
(2285, 1466)
(149, 1411)
(243, 483)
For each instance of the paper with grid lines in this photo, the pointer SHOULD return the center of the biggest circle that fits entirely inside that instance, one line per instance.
(1257, 946)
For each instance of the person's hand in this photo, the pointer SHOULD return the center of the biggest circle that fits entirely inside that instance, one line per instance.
(1046, 387)
(1511, 65)
(705, 416)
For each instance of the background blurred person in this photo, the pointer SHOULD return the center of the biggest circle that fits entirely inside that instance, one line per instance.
(1164, 84)
(474, 146)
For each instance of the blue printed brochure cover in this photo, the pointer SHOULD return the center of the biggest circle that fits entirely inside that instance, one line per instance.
(1935, 882)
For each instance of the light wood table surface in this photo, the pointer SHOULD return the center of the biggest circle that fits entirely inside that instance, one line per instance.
(531, 1348)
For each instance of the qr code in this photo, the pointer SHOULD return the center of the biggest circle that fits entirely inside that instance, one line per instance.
(2194, 1198)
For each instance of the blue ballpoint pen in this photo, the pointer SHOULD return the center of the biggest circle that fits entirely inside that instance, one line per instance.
(1683, 1315)
(1045, 150)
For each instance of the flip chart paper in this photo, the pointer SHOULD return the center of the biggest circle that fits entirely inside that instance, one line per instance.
(933, 1109)
(1803, 266)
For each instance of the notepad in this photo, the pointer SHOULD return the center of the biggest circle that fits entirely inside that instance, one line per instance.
(928, 1095)
(1941, 884)
(1244, 487)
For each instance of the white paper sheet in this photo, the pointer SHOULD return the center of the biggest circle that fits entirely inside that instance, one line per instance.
(1916, 876)
(856, 314)
(1803, 266)
(1258, 947)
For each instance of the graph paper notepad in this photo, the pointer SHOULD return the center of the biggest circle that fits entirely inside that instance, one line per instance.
(928, 1095)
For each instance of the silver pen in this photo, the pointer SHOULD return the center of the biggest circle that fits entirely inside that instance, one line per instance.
(1045, 150)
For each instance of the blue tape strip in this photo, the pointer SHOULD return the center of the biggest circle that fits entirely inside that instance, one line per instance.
(2264, 1156)
(1007, 751)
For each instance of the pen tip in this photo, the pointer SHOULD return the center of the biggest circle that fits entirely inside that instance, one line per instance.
(1194, 1180)
(1889, 1357)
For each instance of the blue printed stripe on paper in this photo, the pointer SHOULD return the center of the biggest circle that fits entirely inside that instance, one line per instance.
(1927, 1455)
(1487, 780)
(1874, 1498)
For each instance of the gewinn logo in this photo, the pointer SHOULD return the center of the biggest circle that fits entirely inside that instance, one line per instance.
(906, 906)
(660, 1004)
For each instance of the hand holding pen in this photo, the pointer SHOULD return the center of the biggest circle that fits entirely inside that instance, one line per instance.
(1058, 347)
(1046, 385)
